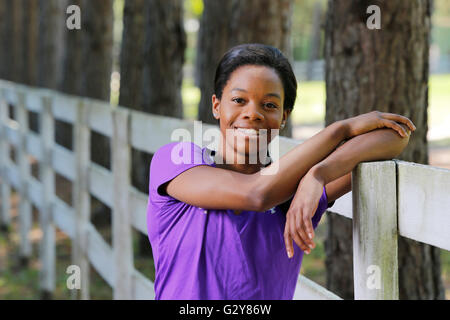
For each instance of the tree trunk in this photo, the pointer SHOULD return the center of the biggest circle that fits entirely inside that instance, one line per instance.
(3, 40)
(384, 70)
(97, 25)
(212, 43)
(152, 57)
(29, 38)
(73, 65)
(72, 75)
(30, 41)
(17, 41)
(132, 54)
(97, 17)
(11, 16)
(165, 44)
(228, 23)
(51, 42)
(97, 22)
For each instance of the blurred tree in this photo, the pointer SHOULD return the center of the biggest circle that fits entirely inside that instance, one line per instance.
(97, 23)
(3, 40)
(51, 43)
(72, 75)
(73, 66)
(97, 40)
(225, 24)
(132, 54)
(30, 41)
(303, 22)
(16, 14)
(384, 70)
(11, 35)
(152, 57)
(87, 66)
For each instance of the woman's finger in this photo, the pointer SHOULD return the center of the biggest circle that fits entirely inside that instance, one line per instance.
(297, 239)
(308, 227)
(301, 228)
(399, 118)
(301, 234)
(288, 241)
(395, 126)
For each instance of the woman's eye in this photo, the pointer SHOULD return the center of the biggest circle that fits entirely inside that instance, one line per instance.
(270, 105)
(238, 100)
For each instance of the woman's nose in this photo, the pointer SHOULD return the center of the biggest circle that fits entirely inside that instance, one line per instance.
(252, 111)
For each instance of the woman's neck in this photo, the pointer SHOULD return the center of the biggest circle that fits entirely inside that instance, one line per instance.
(231, 160)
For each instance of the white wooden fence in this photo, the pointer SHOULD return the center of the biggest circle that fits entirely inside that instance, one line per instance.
(384, 192)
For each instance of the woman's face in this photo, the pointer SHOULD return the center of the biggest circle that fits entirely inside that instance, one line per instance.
(252, 98)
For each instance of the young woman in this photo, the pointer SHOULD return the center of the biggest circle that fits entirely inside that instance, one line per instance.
(224, 229)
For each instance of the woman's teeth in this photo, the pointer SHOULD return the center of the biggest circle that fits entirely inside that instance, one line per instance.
(247, 132)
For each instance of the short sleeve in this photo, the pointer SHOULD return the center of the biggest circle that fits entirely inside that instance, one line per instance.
(321, 208)
(168, 162)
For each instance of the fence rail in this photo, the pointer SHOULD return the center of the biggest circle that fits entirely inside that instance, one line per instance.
(416, 195)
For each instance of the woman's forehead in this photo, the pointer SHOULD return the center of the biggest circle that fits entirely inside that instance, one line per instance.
(251, 78)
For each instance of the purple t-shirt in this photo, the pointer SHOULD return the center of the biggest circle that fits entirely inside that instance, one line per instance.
(215, 254)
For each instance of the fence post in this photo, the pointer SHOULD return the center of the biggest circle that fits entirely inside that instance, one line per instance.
(47, 176)
(81, 198)
(5, 191)
(122, 237)
(375, 264)
(24, 170)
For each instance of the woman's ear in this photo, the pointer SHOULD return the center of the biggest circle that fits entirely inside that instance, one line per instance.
(215, 106)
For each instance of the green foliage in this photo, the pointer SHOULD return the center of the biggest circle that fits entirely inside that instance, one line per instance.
(194, 8)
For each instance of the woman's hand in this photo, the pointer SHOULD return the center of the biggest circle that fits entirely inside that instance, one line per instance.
(299, 216)
(376, 120)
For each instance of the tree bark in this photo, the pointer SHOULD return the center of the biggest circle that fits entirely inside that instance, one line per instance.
(51, 42)
(212, 43)
(11, 14)
(152, 57)
(16, 12)
(73, 65)
(97, 25)
(164, 48)
(385, 70)
(97, 17)
(30, 41)
(97, 21)
(3, 40)
(132, 54)
(72, 75)
(228, 23)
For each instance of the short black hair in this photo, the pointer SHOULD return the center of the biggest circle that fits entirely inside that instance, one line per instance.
(257, 54)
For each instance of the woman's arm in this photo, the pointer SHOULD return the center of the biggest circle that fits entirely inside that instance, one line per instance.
(238, 191)
(278, 182)
(299, 161)
(381, 144)
(340, 186)
(334, 173)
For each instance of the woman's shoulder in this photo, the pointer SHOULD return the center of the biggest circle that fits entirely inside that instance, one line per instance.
(179, 153)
